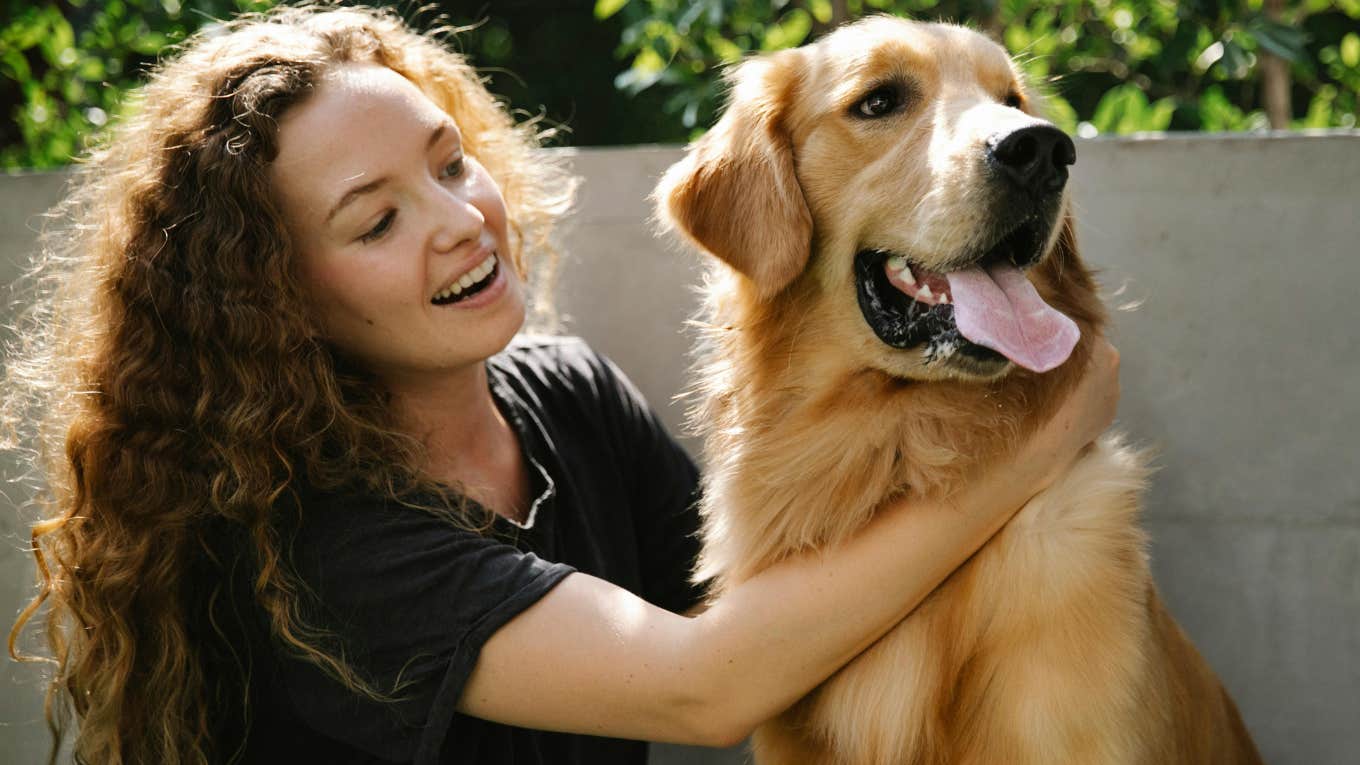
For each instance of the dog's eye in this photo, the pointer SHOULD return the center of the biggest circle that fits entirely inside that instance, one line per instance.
(1013, 101)
(879, 102)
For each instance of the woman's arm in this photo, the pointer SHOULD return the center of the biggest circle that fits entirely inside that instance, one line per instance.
(592, 658)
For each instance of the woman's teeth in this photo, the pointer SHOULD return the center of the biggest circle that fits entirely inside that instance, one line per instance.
(478, 273)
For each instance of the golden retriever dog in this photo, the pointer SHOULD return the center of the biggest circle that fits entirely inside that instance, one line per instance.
(895, 302)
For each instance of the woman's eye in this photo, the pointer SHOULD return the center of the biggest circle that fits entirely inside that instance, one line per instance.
(375, 233)
(454, 168)
(879, 102)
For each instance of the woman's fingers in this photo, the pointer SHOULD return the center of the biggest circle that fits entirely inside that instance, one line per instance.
(1086, 413)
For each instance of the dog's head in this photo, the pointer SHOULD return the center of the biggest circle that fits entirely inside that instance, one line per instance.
(895, 175)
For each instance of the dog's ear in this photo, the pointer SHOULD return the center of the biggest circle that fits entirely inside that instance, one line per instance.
(1072, 280)
(735, 193)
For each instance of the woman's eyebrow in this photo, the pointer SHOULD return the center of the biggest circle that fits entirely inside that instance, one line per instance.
(374, 185)
(437, 134)
(355, 193)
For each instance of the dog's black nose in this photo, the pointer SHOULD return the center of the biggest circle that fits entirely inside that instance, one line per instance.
(1034, 157)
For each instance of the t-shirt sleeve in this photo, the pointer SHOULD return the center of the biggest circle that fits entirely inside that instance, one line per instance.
(415, 598)
(663, 486)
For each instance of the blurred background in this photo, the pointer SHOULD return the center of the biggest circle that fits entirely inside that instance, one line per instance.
(616, 72)
(1215, 192)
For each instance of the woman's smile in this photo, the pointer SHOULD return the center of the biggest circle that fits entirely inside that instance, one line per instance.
(474, 282)
(386, 203)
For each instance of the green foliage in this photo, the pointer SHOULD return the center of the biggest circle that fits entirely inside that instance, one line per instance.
(1125, 109)
(1109, 66)
(64, 66)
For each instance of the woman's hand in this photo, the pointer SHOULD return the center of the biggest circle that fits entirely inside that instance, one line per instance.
(1086, 413)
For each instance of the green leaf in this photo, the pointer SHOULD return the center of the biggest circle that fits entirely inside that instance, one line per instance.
(1211, 55)
(1284, 41)
(790, 32)
(715, 13)
(27, 30)
(1060, 113)
(15, 66)
(1320, 109)
(1158, 118)
(1236, 62)
(1017, 39)
(690, 117)
(632, 82)
(692, 15)
(1350, 50)
(606, 8)
(1120, 110)
(1217, 113)
(727, 51)
(648, 68)
(58, 39)
(1125, 109)
(821, 10)
(149, 43)
(648, 61)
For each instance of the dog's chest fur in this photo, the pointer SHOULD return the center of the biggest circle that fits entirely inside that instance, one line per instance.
(1024, 654)
(1019, 656)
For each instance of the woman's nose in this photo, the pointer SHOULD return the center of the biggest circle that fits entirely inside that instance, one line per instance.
(454, 219)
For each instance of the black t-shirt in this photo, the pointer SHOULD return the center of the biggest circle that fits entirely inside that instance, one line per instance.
(413, 598)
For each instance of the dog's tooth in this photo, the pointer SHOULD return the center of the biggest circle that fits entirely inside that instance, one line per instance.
(944, 299)
(906, 277)
(924, 293)
(897, 263)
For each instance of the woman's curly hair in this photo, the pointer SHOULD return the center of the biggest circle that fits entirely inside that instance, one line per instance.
(170, 389)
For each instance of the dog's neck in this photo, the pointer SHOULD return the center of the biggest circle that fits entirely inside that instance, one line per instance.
(776, 400)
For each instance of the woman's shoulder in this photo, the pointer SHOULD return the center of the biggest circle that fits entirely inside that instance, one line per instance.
(558, 363)
(548, 350)
(564, 375)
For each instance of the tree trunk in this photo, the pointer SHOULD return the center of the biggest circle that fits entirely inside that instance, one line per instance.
(1275, 78)
(990, 23)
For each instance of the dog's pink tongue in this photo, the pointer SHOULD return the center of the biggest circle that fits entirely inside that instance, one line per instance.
(999, 308)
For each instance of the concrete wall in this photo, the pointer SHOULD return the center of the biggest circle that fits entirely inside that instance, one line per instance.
(1240, 366)
(23, 734)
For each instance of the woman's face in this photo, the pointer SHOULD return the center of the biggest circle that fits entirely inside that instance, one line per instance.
(402, 237)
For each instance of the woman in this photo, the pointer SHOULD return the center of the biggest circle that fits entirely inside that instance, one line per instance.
(310, 499)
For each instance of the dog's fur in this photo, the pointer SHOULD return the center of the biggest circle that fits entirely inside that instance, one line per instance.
(1050, 645)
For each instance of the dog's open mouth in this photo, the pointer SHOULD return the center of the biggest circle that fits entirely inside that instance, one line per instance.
(986, 312)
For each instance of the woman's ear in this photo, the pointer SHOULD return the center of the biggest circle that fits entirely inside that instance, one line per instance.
(735, 194)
